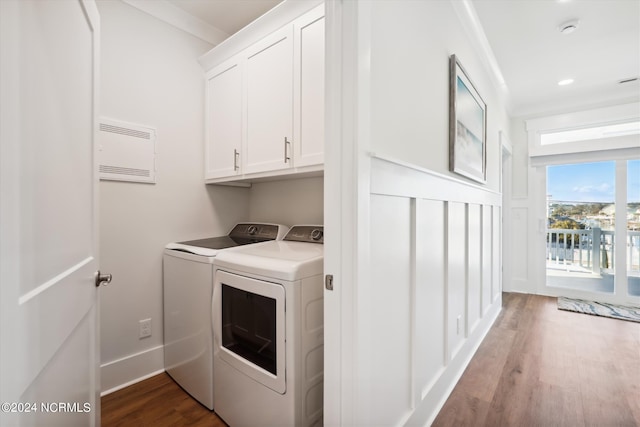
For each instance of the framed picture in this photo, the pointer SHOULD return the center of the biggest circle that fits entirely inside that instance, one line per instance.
(467, 125)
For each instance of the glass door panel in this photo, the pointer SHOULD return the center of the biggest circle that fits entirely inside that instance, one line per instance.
(580, 237)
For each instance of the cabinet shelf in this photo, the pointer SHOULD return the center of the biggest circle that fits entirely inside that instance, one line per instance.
(248, 179)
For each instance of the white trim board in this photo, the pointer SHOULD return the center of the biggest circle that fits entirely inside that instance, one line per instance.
(121, 373)
(586, 118)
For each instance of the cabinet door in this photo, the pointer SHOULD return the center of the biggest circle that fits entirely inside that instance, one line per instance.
(224, 120)
(308, 59)
(269, 98)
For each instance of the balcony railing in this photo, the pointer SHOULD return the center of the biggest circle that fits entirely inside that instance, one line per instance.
(592, 249)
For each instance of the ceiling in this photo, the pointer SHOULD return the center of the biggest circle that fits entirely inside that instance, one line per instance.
(533, 55)
(531, 52)
(228, 16)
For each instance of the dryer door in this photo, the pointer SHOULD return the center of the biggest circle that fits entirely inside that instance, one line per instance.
(251, 333)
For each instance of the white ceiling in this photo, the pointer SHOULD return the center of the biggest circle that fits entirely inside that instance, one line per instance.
(531, 53)
(228, 16)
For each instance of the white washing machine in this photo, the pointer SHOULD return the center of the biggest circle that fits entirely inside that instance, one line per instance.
(188, 288)
(269, 332)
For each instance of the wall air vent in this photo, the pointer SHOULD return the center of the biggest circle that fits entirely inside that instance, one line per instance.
(127, 152)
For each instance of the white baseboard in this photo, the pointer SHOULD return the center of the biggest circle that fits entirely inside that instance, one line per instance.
(131, 369)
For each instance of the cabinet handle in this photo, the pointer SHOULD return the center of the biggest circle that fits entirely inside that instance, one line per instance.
(235, 159)
(286, 151)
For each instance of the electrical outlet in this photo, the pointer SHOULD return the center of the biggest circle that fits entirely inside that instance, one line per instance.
(144, 328)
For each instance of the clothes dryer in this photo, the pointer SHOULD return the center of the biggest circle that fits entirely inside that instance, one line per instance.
(268, 332)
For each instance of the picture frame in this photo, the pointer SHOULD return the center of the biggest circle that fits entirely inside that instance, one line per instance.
(467, 125)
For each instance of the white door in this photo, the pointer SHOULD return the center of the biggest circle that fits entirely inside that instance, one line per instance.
(308, 88)
(224, 120)
(269, 103)
(48, 250)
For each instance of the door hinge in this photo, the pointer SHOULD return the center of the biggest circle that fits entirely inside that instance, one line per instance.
(328, 282)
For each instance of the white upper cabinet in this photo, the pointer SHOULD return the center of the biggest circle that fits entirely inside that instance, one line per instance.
(308, 83)
(265, 101)
(224, 120)
(269, 99)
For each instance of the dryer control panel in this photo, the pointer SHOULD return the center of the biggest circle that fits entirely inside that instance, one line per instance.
(306, 233)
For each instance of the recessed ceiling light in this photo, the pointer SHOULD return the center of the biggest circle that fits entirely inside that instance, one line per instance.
(569, 26)
(565, 82)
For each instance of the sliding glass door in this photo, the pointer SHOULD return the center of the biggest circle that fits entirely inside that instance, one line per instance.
(593, 227)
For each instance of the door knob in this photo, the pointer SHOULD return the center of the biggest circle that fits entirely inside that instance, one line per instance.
(102, 279)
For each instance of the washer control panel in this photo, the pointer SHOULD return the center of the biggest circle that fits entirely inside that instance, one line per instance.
(306, 233)
(255, 231)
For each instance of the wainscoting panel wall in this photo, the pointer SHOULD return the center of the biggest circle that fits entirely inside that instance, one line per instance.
(391, 289)
(496, 271)
(456, 283)
(429, 342)
(520, 251)
(433, 293)
(474, 266)
(486, 254)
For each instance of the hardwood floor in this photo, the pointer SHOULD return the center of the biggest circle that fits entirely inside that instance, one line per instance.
(158, 402)
(538, 366)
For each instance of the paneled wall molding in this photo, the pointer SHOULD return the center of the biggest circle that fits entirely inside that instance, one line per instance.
(395, 177)
(434, 265)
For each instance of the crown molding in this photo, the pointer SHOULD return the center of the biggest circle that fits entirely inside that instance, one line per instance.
(471, 23)
(172, 15)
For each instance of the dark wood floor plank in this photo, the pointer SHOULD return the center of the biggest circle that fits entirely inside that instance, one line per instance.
(158, 402)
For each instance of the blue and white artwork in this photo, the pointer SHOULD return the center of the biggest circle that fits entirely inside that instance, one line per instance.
(469, 130)
(468, 111)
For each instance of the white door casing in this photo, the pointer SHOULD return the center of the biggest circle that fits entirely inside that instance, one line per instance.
(346, 198)
(49, 236)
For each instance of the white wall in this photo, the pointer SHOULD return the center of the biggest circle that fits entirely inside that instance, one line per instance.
(411, 45)
(288, 202)
(150, 76)
(422, 246)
